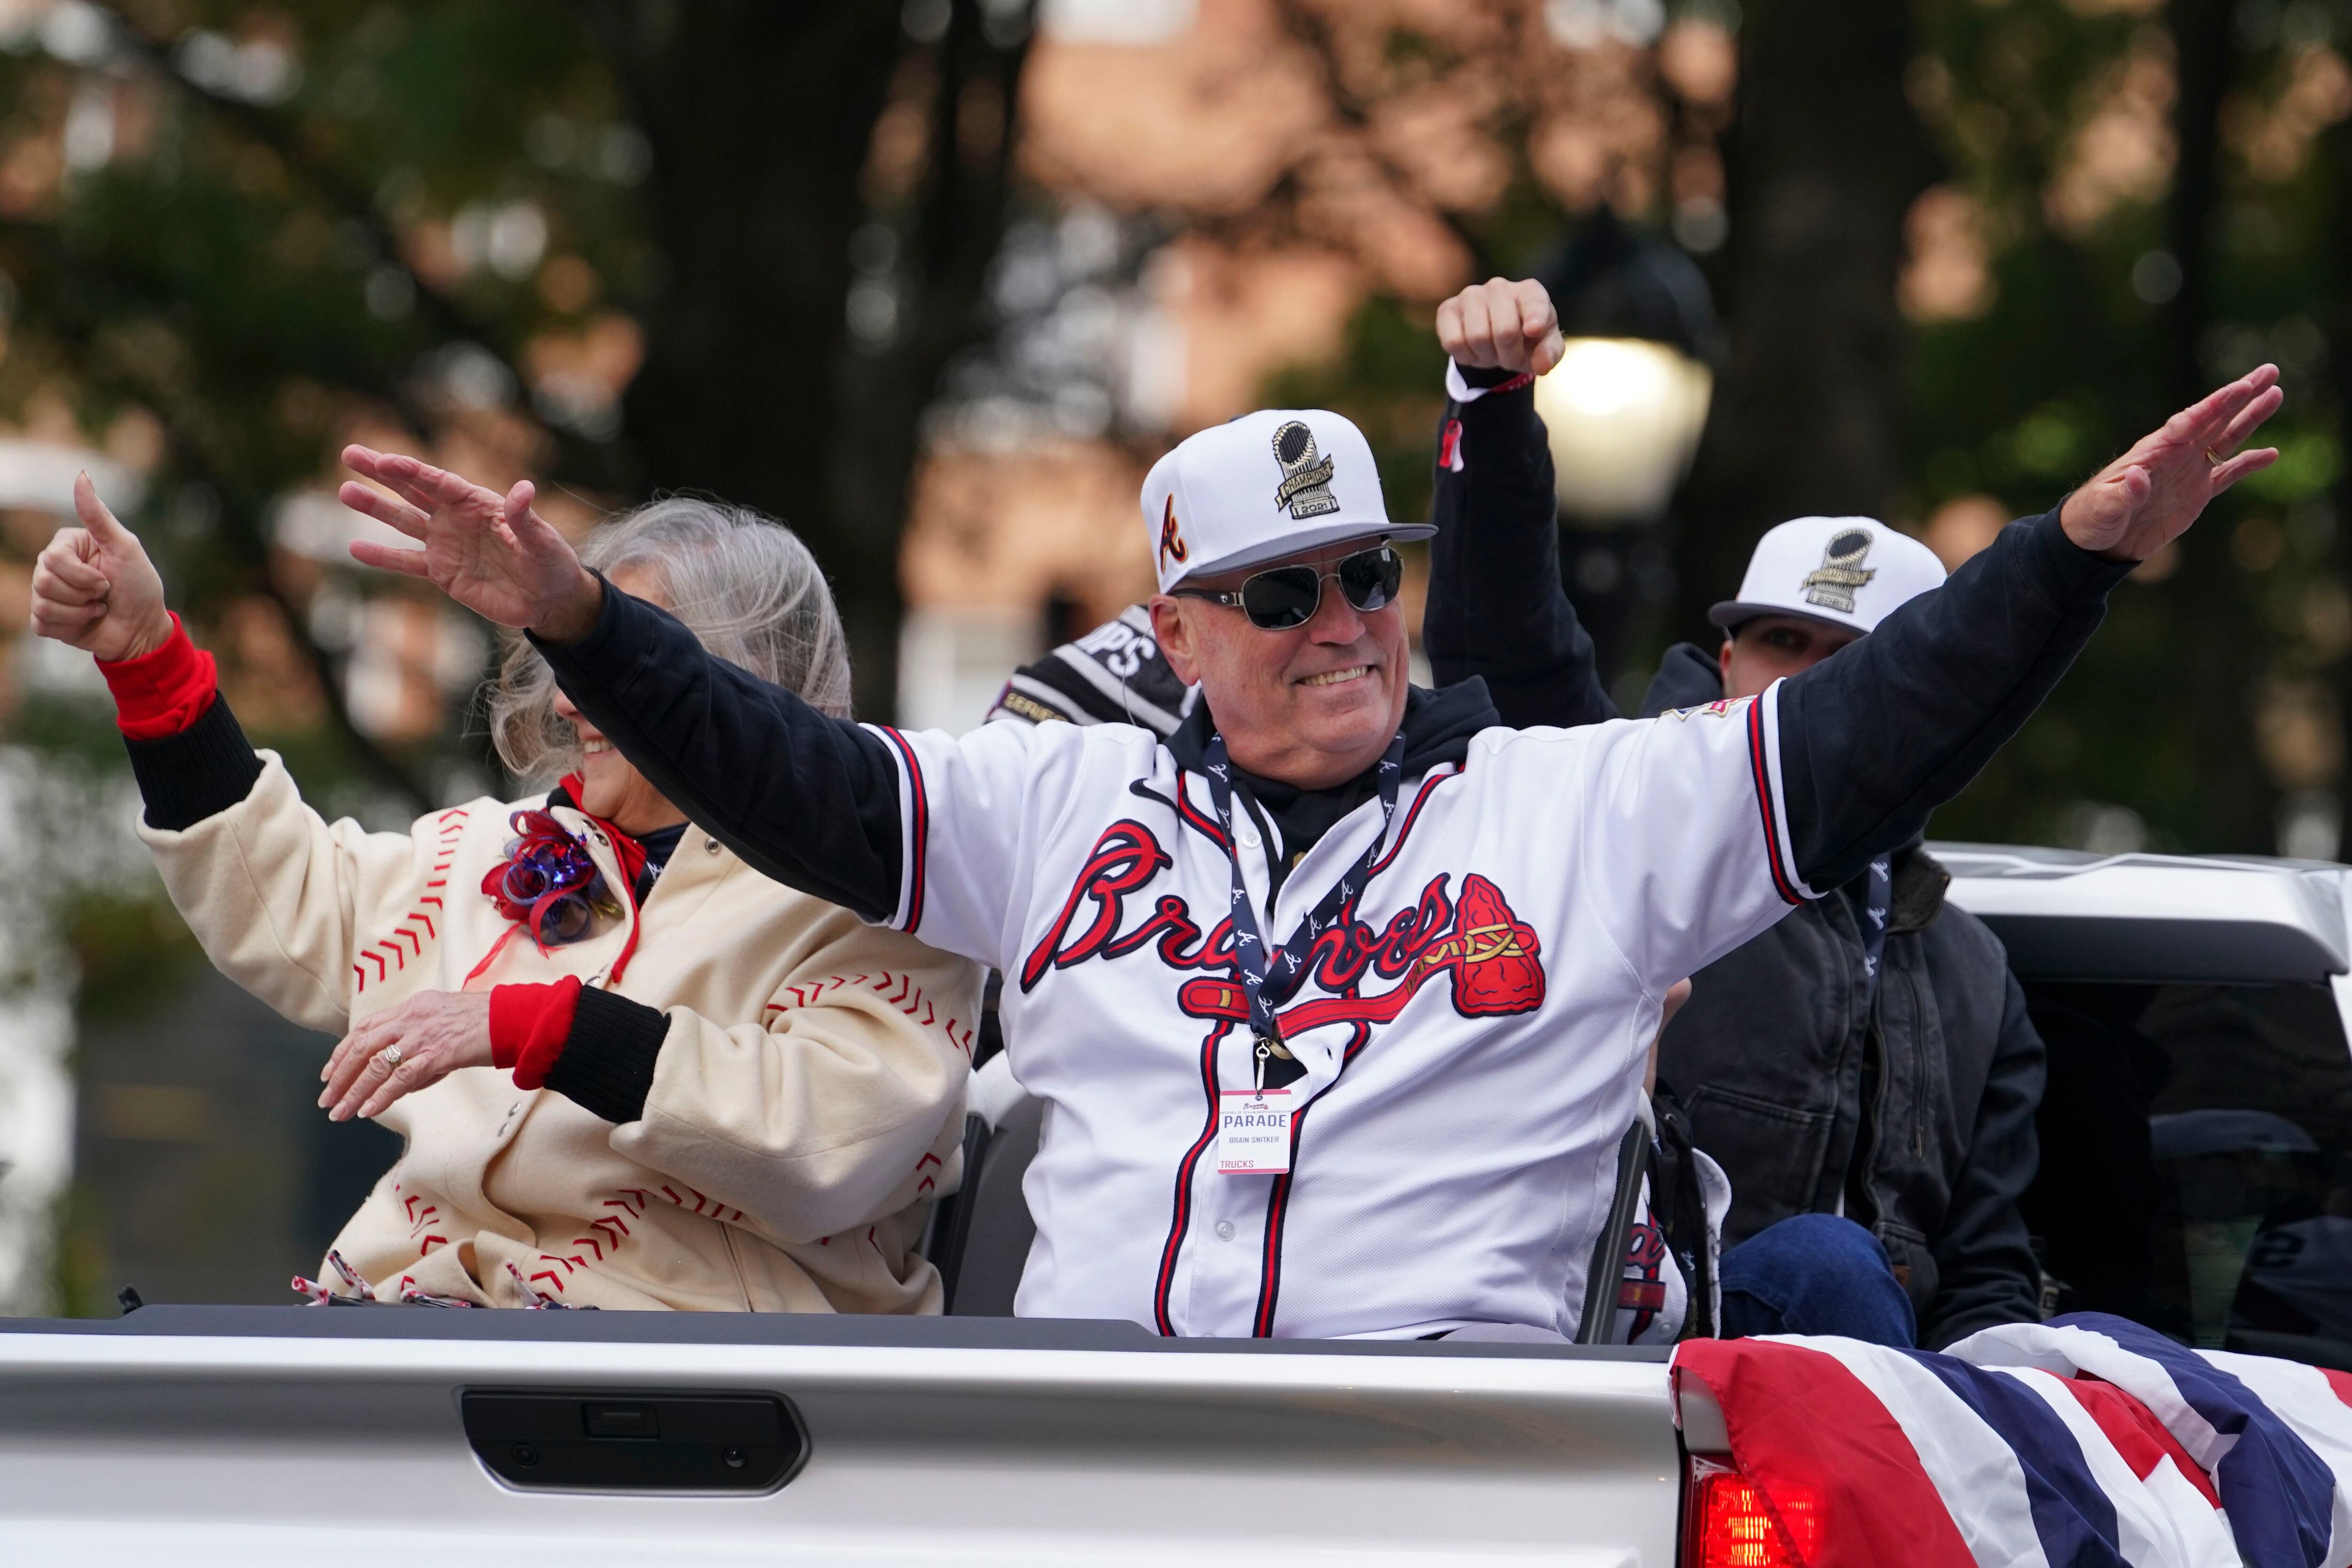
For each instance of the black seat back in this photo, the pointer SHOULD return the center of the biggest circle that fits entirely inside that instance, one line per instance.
(991, 1230)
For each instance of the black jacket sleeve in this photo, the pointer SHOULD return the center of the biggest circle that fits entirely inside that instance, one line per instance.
(204, 768)
(1986, 1272)
(808, 800)
(1495, 604)
(1875, 737)
(607, 1067)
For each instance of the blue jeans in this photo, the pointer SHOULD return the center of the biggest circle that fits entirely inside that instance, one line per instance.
(1815, 1274)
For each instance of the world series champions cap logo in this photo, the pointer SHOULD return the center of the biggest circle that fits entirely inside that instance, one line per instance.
(1306, 488)
(1841, 572)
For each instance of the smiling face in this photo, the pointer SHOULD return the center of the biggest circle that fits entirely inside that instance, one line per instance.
(1763, 650)
(1312, 705)
(610, 786)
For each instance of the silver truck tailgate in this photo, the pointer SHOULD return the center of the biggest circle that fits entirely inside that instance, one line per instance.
(204, 1436)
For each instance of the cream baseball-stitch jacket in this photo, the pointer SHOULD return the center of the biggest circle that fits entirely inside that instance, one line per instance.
(807, 1105)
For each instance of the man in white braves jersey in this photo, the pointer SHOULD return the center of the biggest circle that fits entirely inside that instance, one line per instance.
(1460, 934)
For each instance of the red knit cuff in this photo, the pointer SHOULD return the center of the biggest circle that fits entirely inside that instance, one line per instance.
(164, 692)
(529, 1027)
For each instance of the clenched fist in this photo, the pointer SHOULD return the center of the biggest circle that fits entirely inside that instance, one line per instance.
(94, 588)
(1501, 325)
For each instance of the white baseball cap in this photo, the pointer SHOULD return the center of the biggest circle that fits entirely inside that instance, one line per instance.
(1841, 571)
(1261, 487)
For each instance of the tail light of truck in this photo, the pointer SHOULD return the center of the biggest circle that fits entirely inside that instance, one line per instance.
(1727, 1522)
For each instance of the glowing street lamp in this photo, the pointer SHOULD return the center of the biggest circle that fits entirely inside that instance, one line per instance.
(1624, 415)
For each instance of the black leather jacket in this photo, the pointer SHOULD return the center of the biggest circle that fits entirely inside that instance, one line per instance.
(1772, 1054)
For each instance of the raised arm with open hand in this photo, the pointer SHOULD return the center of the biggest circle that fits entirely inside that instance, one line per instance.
(2147, 498)
(491, 552)
(1894, 725)
(94, 588)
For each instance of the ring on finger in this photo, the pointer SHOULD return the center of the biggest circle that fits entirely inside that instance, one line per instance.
(2214, 459)
(391, 1057)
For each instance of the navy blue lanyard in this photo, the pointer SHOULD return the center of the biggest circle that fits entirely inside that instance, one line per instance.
(1288, 964)
(1876, 905)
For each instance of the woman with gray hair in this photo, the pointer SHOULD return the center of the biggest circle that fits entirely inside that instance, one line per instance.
(631, 1071)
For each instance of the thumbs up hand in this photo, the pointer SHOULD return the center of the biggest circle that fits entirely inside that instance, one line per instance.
(94, 588)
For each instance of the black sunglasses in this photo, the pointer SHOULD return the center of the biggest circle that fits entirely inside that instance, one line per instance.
(1282, 597)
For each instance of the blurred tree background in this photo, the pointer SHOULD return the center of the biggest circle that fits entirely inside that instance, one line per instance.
(801, 253)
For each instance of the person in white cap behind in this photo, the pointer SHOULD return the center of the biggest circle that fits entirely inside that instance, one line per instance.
(1340, 998)
(1812, 586)
(1879, 1008)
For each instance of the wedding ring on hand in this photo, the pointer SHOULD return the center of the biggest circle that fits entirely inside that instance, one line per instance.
(391, 1057)
(2213, 458)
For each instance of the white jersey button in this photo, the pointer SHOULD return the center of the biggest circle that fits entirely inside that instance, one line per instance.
(1225, 1230)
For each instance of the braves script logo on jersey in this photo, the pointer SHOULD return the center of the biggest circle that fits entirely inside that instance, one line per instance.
(1492, 956)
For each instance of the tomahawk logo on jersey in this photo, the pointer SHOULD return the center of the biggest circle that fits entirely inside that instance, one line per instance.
(1471, 1027)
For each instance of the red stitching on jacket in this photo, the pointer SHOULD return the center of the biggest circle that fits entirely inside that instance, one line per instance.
(451, 832)
(910, 1000)
(549, 1277)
